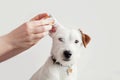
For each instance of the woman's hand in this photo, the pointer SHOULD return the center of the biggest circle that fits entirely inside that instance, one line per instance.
(29, 33)
(25, 36)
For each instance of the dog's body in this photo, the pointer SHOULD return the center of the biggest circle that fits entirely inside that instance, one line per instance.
(62, 64)
(50, 71)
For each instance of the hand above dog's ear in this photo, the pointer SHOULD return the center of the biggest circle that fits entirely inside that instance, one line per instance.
(85, 39)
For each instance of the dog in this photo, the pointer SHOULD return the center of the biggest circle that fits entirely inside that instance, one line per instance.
(65, 53)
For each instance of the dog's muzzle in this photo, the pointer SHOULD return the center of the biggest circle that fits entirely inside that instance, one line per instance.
(67, 54)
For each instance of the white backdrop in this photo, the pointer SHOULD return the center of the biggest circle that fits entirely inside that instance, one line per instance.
(99, 18)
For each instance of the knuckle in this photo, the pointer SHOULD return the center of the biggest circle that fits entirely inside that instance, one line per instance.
(28, 25)
(31, 43)
(28, 28)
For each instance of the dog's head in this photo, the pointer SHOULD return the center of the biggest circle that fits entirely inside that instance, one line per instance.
(67, 44)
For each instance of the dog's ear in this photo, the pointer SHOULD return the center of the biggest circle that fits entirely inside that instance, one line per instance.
(53, 30)
(56, 27)
(85, 38)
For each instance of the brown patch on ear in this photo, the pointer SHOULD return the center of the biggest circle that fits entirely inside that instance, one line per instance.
(85, 39)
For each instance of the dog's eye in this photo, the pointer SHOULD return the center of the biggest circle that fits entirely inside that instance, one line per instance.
(60, 39)
(76, 41)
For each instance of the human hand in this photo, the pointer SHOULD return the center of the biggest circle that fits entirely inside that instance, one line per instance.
(29, 33)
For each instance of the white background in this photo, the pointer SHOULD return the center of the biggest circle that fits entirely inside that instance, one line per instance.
(98, 18)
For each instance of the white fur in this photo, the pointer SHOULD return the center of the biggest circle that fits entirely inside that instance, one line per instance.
(50, 71)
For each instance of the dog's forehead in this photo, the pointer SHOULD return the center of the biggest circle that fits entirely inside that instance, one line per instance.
(75, 33)
(71, 33)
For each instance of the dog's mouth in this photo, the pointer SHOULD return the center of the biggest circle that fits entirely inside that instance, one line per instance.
(66, 59)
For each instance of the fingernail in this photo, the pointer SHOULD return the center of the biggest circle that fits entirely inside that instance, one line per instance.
(48, 27)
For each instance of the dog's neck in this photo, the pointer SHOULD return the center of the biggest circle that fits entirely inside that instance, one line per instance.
(69, 68)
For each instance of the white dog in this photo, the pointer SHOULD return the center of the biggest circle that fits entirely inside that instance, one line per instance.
(66, 47)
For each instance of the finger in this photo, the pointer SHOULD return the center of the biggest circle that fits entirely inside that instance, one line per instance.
(40, 35)
(41, 29)
(48, 21)
(40, 16)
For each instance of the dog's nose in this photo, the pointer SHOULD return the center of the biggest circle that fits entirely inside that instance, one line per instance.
(67, 54)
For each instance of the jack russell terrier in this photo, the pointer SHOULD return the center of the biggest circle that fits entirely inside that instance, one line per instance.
(65, 53)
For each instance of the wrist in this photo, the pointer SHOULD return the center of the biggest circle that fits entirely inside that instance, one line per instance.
(7, 48)
(6, 43)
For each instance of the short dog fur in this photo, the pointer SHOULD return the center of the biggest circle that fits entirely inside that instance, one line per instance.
(65, 53)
